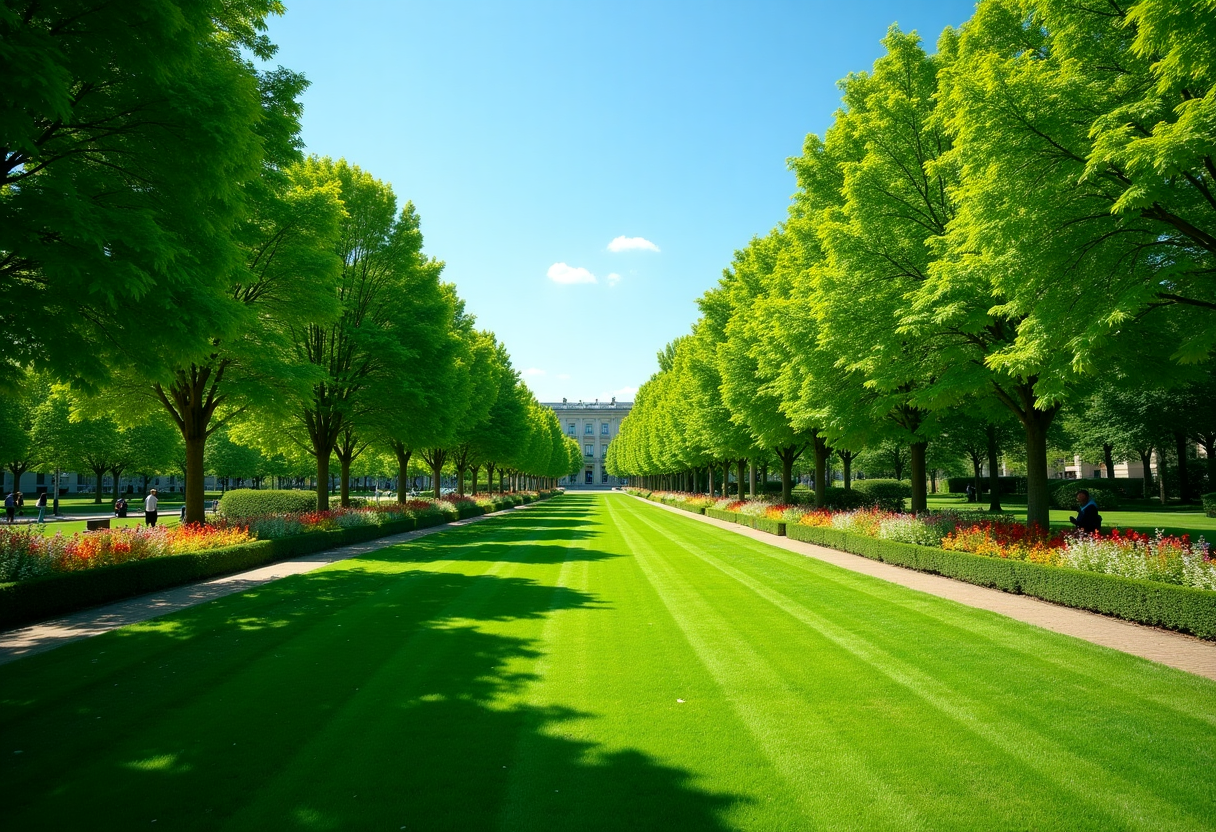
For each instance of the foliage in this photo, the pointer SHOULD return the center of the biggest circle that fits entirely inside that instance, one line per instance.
(888, 495)
(242, 503)
(1209, 504)
(1066, 496)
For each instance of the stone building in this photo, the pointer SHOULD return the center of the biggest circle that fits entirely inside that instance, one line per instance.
(593, 425)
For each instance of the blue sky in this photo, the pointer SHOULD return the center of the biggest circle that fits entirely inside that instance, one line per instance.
(531, 135)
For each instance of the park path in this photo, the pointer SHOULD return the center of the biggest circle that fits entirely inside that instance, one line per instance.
(1163, 646)
(47, 635)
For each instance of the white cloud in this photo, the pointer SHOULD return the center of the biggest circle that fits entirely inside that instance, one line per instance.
(613, 279)
(632, 244)
(533, 371)
(561, 273)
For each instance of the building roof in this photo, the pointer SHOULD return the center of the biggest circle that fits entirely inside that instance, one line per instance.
(597, 405)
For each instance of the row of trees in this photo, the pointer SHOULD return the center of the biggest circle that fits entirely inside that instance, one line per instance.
(995, 231)
(166, 247)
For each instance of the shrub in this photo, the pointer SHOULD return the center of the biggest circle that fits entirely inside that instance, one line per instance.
(251, 502)
(888, 495)
(1066, 496)
(846, 500)
(1148, 602)
(1209, 504)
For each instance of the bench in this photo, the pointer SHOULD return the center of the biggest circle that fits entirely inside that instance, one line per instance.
(94, 525)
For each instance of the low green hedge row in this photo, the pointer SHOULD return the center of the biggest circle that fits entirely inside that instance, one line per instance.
(675, 502)
(1146, 602)
(763, 524)
(65, 592)
(1209, 504)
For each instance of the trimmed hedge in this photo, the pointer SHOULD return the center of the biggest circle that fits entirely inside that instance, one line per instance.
(65, 592)
(888, 495)
(1180, 608)
(258, 502)
(762, 524)
(1209, 504)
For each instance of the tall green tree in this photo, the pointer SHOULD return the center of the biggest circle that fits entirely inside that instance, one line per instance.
(363, 357)
(126, 132)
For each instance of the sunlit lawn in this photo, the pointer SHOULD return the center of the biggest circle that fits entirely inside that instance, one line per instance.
(597, 663)
(164, 518)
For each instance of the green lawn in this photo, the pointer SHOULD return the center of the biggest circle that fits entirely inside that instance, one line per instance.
(598, 663)
(1172, 519)
(133, 519)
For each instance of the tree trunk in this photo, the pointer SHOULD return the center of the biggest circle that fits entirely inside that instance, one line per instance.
(460, 480)
(740, 470)
(898, 465)
(821, 472)
(787, 457)
(476, 473)
(1161, 476)
(322, 482)
(751, 479)
(1038, 496)
(1108, 456)
(976, 465)
(403, 455)
(1184, 488)
(920, 499)
(1146, 460)
(710, 468)
(344, 483)
(994, 477)
(100, 473)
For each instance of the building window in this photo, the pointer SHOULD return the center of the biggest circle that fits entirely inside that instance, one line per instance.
(40, 479)
(588, 450)
(603, 429)
(589, 430)
(590, 477)
(604, 477)
(570, 429)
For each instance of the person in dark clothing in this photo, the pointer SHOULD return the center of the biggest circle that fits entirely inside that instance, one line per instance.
(1087, 519)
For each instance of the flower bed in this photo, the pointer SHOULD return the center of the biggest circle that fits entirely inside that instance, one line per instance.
(1127, 553)
(44, 576)
(25, 554)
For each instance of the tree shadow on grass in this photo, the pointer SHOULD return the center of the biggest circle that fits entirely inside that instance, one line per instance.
(346, 699)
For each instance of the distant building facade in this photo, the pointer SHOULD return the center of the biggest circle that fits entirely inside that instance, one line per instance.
(593, 425)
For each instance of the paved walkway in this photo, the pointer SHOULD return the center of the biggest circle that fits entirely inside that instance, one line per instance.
(1164, 646)
(37, 638)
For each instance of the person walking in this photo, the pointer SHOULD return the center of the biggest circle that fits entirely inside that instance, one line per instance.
(41, 504)
(20, 504)
(10, 506)
(150, 508)
(1087, 519)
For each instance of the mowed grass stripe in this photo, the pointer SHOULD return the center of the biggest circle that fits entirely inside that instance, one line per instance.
(973, 634)
(1019, 737)
(654, 763)
(827, 776)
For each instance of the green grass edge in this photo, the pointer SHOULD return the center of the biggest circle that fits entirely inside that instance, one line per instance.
(1180, 608)
(30, 601)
